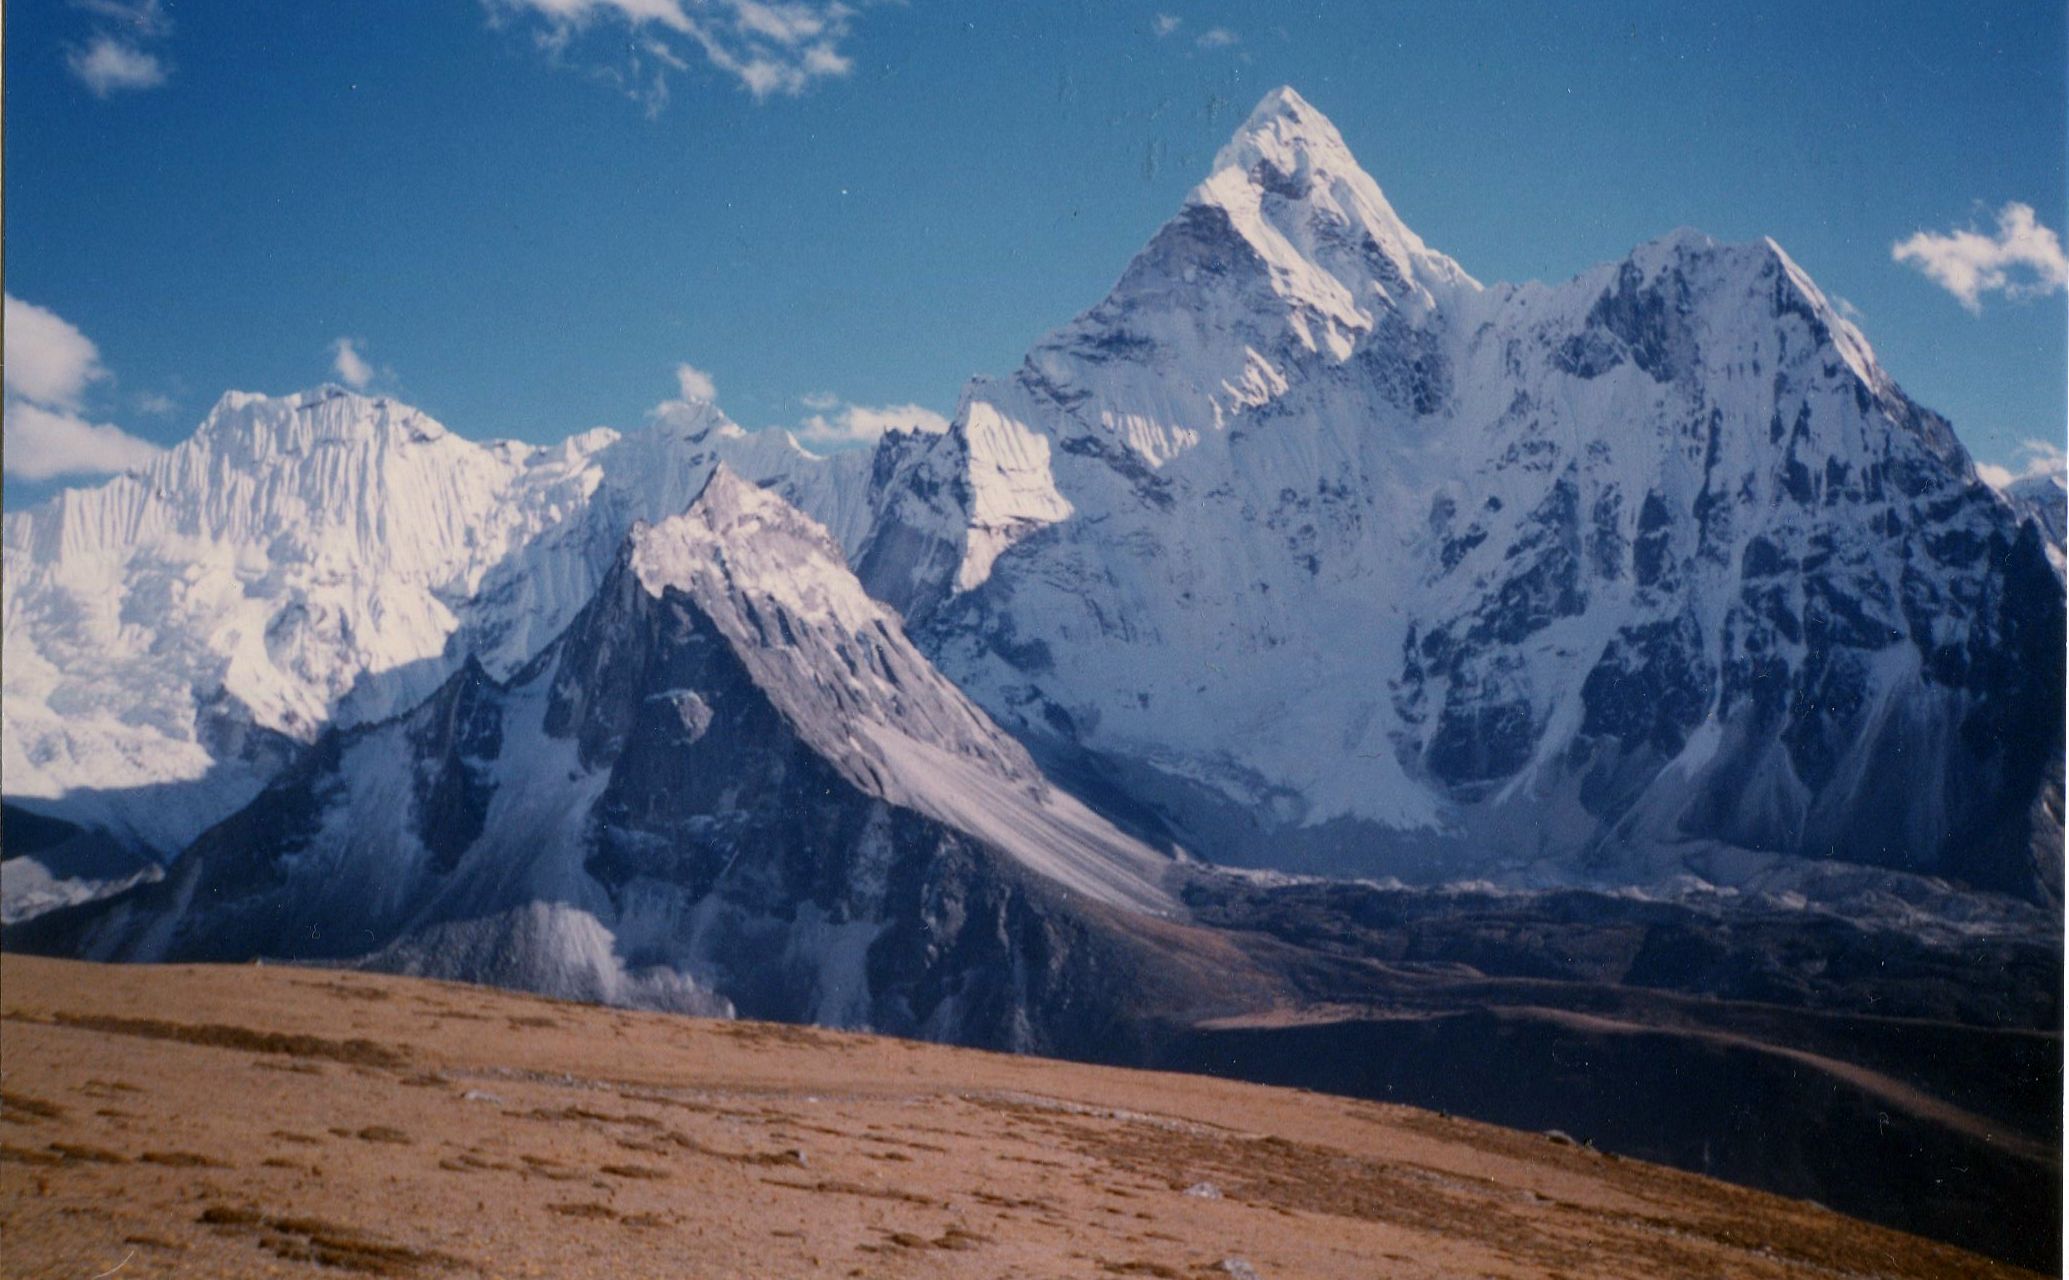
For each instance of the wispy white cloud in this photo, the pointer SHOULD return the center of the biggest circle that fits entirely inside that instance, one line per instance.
(787, 24)
(50, 365)
(772, 47)
(1165, 23)
(1217, 38)
(350, 364)
(117, 57)
(144, 19)
(108, 66)
(836, 424)
(2023, 260)
(2031, 458)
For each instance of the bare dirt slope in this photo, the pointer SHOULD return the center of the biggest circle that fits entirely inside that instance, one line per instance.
(245, 1121)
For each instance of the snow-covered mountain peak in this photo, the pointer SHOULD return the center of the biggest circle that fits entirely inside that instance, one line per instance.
(1287, 130)
(1304, 523)
(738, 537)
(1740, 270)
(744, 568)
(1846, 337)
(2043, 499)
(1291, 187)
(1287, 257)
(246, 423)
(1694, 311)
(727, 498)
(693, 418)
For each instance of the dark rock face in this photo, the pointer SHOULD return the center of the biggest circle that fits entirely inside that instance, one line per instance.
(714, 805)
(919, 488)
(460, 734)
(1640, 320)
(1651, 687)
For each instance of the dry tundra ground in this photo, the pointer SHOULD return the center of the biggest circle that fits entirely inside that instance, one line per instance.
(245, 1121)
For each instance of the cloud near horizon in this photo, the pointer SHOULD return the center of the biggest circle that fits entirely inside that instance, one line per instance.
(837, 424)
(696, 394)
(2023, 260)
(771, 47)
(349, 364)
(50, 366)
(2033, 458)
(695, 384)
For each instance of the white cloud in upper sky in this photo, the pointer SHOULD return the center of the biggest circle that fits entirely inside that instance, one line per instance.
(1217, 38)
(349, 364)
(2023, 260)
(771, 47)
(116, 58)
(50, 365)
(108, 66)
(836, 423)
(145, 18)
(2033, 458)
(1165, 23)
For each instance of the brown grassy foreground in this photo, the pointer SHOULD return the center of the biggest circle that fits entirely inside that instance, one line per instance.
(241, 1121)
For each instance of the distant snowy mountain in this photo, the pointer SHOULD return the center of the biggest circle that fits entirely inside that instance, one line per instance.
(1302, 543)
(732, 764)
(1347, 562)
(2044, 500)
(174, 635)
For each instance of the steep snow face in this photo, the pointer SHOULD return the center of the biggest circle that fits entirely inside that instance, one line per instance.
(1279, 267)
(1332, 244)
(1348, 562)
(837, 666)
(172, 634)
(731, 782)
(1286, 257)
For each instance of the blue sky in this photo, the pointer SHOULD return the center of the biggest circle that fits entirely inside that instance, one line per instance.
(525, 224)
